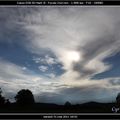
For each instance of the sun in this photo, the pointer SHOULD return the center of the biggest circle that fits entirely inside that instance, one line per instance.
(73, 56)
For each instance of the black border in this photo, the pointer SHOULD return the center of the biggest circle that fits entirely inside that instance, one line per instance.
(60, 3)
(60, 116)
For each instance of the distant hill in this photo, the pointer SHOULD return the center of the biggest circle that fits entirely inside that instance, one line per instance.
(90, 107)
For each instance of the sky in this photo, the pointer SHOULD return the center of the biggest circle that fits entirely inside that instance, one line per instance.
(60, 53)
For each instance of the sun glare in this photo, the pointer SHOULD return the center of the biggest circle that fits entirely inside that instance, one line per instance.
(73, 56)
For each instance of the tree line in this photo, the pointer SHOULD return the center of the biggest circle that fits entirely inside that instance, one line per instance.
(26, 97)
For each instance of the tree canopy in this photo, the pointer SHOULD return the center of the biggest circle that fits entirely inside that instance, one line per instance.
(67, 103)
(118, 99)
(24, 96)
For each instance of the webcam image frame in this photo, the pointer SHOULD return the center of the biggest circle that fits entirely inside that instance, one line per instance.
(59, 58)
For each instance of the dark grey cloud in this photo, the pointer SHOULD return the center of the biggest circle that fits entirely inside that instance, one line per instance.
(115, 82)
(93, 49)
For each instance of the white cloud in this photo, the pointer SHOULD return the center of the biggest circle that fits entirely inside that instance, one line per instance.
(43, 68)
(51, 75)
(50, 60)
(24, 68)
(45, 60)
(37, 60)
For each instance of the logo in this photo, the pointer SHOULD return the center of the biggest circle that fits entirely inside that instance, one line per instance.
(115, 110)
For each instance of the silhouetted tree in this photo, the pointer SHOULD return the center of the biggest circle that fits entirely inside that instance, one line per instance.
(118, 99)
(67, 104)
(2, 99)
(25, 97)
(7, 102)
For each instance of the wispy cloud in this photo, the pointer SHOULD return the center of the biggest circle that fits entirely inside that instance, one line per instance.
(86, 34)
(80, 38)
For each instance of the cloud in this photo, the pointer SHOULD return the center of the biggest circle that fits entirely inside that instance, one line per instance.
(101, 91)
(94, 54)
(80, 95)
(9, 70)
(14, 78)
(51, 75)
(80, 38)
(90, 37)
(50, 60)
(43, 68)
(114, 81)
(46, 59)
(24, 68)
(55, 90)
